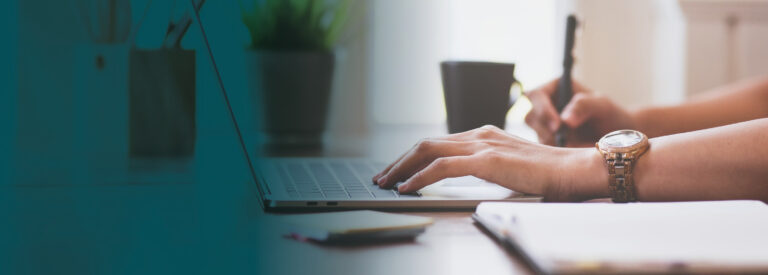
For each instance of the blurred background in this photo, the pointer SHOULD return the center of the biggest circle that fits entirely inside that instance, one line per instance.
(386, 59)
(636, 52)
(63, 77)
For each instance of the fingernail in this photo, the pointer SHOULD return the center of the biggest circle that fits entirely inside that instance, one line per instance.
(381, 180)
(402, 188)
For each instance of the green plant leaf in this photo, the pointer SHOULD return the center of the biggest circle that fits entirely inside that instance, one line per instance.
(339, 19)
(294, 24)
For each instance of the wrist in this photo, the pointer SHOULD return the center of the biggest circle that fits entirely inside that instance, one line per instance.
(584, 176)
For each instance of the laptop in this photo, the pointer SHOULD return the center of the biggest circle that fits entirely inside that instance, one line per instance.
(345, 183)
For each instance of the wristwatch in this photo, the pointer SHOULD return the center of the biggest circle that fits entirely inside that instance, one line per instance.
(621, 150)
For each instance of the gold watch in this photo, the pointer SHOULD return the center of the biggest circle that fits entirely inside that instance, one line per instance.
(621, 150)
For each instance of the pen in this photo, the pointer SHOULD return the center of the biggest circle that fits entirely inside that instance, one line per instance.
(564, 87)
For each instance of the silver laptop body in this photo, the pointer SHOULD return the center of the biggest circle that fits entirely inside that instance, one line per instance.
(325, 183)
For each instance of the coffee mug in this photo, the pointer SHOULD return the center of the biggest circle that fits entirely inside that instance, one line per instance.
(478, 93)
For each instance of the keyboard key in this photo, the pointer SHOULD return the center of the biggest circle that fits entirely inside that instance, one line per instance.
(364, 171)
(343, 173)
(331, 188)
(351, 183)
(283, 175)
(336, 195)
(383, 193)
(311, 195)
(308, 188)
(356, 188)
(297, 172)
(321, 173)
(409, 195)
(360, 195)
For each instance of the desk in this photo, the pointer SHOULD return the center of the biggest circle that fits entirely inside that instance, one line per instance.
(211, 223)
(453, 245)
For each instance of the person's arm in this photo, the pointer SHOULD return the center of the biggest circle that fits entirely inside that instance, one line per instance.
(590, 116)
(728, 162)
(741, 101)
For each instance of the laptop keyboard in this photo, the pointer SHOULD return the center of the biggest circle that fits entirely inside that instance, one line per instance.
(332, 180)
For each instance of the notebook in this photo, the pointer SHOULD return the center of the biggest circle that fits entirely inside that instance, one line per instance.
(680, 237)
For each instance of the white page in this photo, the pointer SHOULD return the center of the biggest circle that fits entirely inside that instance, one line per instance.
(695, 235)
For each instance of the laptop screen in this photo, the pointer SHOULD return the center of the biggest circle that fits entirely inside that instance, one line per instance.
(245, 130)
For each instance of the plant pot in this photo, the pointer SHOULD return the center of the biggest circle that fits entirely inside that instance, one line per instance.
(162, 103)
(291, 91)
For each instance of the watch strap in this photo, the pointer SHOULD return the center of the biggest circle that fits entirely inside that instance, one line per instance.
(620, 181)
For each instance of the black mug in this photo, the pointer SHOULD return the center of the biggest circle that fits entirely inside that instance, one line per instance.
(478, 93)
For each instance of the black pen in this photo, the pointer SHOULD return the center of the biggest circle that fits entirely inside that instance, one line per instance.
(564, 87)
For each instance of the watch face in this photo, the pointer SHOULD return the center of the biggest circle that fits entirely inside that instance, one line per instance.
(623, 138)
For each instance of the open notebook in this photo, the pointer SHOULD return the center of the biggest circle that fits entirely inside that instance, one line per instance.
(682, 237)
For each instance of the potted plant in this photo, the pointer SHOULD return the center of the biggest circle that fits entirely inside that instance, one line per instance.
(291, 64)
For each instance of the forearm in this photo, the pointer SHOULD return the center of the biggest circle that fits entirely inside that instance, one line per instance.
(742, 101)
(728, 162)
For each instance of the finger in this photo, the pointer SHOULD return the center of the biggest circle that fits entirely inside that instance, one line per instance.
(547, 138)
(543, 118)
(481, 133)
(581, 108)
(545, 135)
(544, 112)
(441, 168)
(420, 156)
(386, 170)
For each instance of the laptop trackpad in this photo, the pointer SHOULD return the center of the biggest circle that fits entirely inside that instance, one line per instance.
(467, 187)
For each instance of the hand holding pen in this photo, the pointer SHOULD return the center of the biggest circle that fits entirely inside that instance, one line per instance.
(566, 113)
(587, 116)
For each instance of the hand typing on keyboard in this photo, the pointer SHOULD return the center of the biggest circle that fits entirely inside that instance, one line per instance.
(494, 155)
